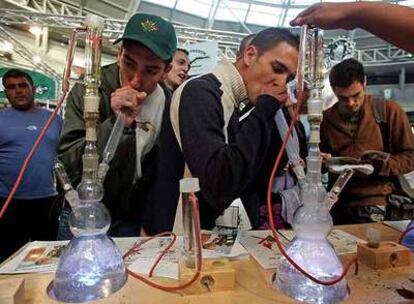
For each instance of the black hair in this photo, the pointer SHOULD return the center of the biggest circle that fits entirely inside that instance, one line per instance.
(15, 73)
(346, 73)
(126, 42)
(183, 50)
(271, 37)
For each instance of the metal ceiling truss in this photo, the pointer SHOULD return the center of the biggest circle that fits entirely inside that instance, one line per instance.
(52, 7)
(228, 41)
(27, 54)
(62, 15)
(384, 54)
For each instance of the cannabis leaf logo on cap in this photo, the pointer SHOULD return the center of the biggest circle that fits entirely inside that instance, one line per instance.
(149, 26)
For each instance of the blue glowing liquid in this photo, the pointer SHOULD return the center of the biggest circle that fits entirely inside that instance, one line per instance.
(90, 268)
(320, 260)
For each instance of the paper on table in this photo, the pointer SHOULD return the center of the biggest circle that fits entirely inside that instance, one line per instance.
(398, 225)
(222, 246)
(43, 256)
(164, 269)
(342, 241)
(35, 256)
(240, 219)
(262, 246)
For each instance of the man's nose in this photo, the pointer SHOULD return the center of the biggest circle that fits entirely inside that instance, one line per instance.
(136, 80)
(18, 90)
(351, 102)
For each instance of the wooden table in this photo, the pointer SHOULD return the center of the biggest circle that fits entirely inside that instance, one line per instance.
(253, 284)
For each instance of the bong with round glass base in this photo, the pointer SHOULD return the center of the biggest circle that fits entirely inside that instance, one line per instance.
(91, 266)
(310, 249)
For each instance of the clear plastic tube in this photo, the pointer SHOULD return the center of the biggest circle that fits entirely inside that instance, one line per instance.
(300, 85)
(71, 195)
(332, 196)
(292, 147)
(111, 145)
(188, 186)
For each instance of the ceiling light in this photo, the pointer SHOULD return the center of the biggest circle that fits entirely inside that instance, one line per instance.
(35, 30)
(6, 46)
(36, 59)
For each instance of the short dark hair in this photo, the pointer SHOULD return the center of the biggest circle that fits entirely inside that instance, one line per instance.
(128, 42)
(346, 73)
(271, 37)
(14, 73)
(183, 50)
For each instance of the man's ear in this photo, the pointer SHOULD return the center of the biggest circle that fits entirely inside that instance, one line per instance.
(250, 55)
(167, 68)
(34, 90)
(120, 53)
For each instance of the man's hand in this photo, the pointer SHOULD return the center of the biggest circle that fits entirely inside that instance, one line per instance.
(325, 156)
(376, 160)
(127, 100)
(327, 16)
(278, 92)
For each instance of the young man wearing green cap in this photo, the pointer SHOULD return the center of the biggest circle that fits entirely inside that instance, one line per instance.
(131, 86)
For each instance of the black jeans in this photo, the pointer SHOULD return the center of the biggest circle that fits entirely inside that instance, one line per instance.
(27, 220)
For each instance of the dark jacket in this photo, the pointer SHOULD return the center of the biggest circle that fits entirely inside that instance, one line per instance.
(226, 157)
(337, 140)
(123, 197)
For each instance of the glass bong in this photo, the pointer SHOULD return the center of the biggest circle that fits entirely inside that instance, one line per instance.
(312, 222)
(91, 266)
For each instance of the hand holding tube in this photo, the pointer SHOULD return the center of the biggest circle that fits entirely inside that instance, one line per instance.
(111, 146)
(127, 100)
(278, 92)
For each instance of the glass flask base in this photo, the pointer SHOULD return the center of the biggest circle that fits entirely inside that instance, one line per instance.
(91, 268)
(319, 259)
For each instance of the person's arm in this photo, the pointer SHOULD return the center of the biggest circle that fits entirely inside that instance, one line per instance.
(402, 143)
(224, 170)
(391, 22)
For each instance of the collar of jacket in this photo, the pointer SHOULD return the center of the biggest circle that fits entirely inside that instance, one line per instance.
(334, 118)
(231, 80)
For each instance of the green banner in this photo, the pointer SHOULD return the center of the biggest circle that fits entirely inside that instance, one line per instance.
(45, 86)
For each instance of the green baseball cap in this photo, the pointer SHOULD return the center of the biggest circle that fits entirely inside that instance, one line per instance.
(154, 32)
